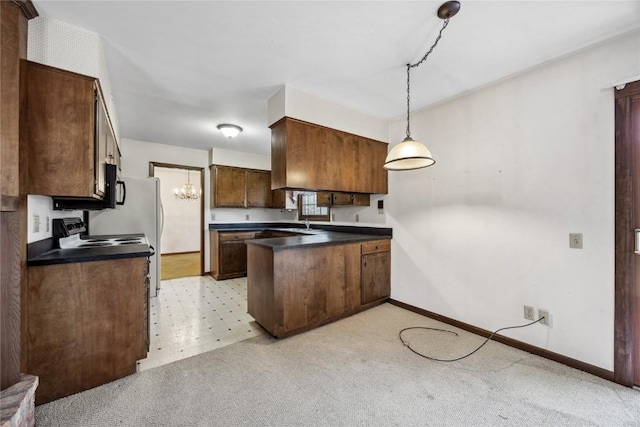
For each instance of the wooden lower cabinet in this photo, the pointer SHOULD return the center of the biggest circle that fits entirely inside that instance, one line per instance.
(293, 290)
(375, 271)
(85, 324)
(228, 255)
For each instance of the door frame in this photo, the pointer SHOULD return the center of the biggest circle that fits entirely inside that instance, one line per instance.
(627, 218)
(153, 165)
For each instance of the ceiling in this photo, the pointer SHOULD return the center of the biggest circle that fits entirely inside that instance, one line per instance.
(179, 68)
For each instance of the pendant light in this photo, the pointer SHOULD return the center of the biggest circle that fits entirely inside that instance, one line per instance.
(411, 154)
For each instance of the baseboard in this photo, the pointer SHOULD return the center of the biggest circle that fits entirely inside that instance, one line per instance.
(573, 363)
(181, 253)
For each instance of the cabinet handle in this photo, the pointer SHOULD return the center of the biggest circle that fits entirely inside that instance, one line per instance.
(365, 264)
(376, 247)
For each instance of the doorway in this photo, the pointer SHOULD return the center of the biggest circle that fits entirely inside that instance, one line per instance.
(627, 219)
(182, 245)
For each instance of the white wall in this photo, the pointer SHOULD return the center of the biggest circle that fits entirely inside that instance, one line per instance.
(42, 208)
(218, 156)
(520, 165)
(291, 102)
(181, 232)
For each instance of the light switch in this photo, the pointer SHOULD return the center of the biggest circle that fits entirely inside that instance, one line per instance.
(575, 240)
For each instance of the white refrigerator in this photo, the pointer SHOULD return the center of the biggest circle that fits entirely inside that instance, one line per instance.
(141, 213)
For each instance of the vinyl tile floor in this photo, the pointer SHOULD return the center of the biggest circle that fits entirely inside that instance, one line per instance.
(193, 315)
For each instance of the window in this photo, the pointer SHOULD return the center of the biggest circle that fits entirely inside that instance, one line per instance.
(308, 208)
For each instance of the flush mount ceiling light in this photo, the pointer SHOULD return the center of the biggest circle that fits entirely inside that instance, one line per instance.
(230, 131)
(410, 154)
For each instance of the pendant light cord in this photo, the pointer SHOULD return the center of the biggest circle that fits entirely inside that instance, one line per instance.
(410, 66)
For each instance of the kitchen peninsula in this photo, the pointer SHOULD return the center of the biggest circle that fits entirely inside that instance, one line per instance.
(314, 277)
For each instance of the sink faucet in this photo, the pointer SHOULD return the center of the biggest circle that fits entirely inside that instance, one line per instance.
(306, 223)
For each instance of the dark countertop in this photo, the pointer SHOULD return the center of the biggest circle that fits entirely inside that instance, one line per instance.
(318, 235)
(318, 238)
(46, 252)
(298, 226)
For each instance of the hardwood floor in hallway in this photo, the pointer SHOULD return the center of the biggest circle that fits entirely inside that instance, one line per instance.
(180, 265)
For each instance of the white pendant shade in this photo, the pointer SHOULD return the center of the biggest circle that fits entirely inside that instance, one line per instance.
(407, 155)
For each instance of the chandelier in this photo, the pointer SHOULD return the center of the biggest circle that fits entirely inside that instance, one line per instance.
(188, 191)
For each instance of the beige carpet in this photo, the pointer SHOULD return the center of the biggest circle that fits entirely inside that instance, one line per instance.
(354, 372)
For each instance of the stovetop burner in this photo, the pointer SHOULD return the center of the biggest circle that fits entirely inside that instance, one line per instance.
(68, 231)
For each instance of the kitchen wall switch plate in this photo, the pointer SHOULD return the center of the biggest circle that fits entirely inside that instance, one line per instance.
(575, 240)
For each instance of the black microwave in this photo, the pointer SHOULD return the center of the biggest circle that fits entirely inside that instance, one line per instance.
(115, 193)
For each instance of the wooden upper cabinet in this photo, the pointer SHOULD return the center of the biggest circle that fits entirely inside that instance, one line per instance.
(228, 186)
(234, 187)
(65, 128)
(313, 157)
(259, 194)
(325, 198)
(14, 47)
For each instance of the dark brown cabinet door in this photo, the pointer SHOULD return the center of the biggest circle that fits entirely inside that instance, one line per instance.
(84, 324)
(58, 128)
(375, 276)
(259, 194)
(323, 199)
(101, 144)
(342, 199)
(233, 257)
(229, 187)
(309, 156)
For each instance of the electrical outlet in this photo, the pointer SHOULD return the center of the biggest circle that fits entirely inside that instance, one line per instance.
(36, 223)
(357, 217)
(46, 224)
(213, 216)
(333, 217)
(546, 315)
(575, 240)
(529, 312)
(247, 216)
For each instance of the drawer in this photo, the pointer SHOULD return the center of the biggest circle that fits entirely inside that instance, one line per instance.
(376, 246)
(236, 236)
